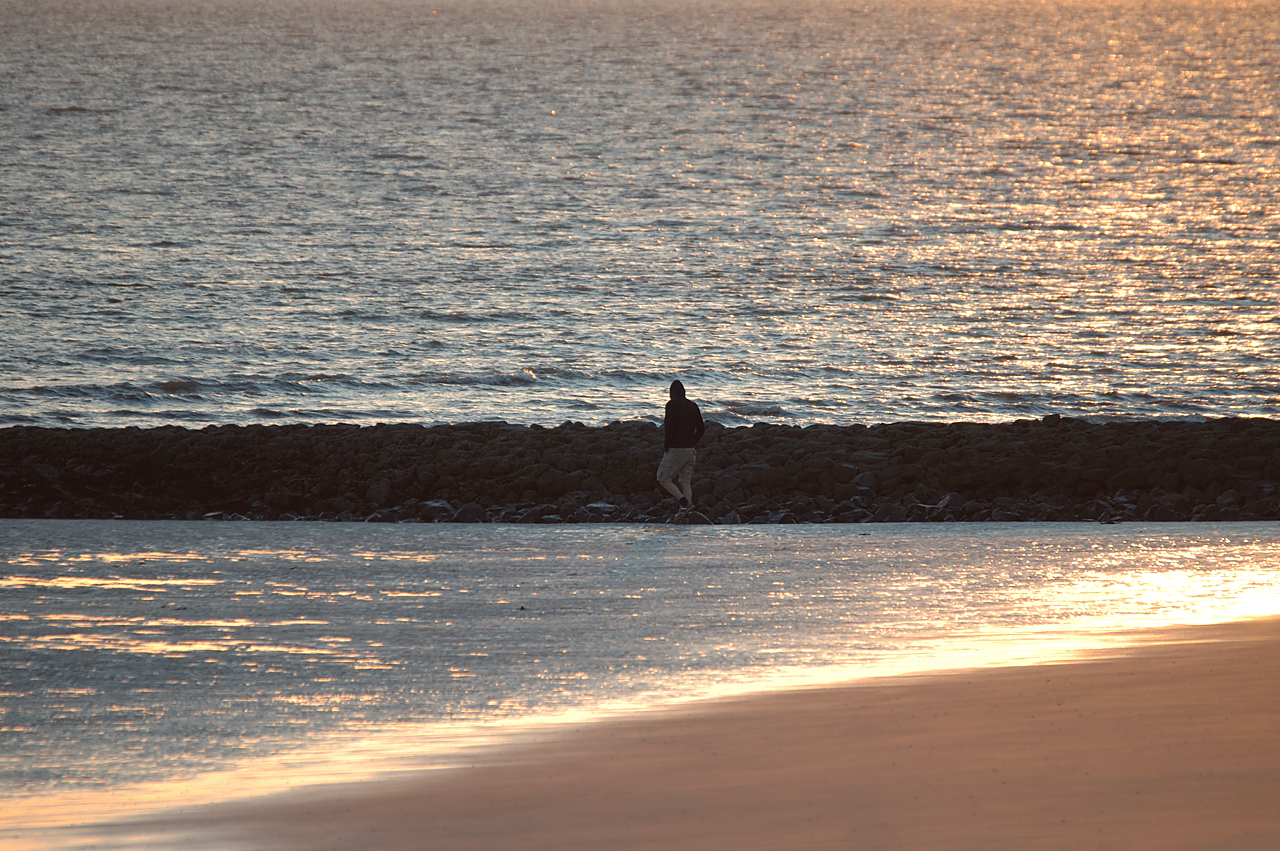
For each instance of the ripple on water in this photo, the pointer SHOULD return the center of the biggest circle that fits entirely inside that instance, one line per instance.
(1061, 208)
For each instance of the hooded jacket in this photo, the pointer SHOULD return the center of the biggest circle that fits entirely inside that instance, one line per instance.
(683, 426)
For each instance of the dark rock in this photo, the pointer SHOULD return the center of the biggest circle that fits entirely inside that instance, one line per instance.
(890, 512)
(471, 513)
(1058, 469)
(1160, 512)
(379, 492)
(435, 510)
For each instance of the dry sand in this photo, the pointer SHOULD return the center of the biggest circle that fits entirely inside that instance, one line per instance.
(1167, 745)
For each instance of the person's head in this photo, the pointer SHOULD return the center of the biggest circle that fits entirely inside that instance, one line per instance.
(677, 390)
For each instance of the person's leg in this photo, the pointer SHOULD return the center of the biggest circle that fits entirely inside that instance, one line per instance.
(667, 471)
(686, 482)
(675, 473)
(685, 477)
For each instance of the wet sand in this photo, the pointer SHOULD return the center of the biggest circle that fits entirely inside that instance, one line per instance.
(1172, 743)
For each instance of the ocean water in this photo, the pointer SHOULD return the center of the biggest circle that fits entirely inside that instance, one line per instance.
(165, 662)
(544, 210)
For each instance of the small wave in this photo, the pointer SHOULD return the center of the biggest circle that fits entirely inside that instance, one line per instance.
(500, 379)
(464, 316)
(524, 376)
(755, 409)
(119, 392)
(456, 316)
(549, 371)
(69, 391)
(177, 385)
(405, 155)
(1183, 406)
(128, 392)
(867, 297)
(637, 376)
(316, 378)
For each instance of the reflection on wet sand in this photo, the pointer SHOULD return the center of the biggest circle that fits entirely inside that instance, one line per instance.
(265, 656)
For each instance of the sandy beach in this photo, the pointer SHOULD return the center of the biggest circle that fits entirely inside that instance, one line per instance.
(1171, 743)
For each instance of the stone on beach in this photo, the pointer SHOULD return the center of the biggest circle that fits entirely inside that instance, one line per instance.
(1052, 469)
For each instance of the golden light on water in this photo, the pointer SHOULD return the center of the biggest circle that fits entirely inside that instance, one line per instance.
(113, 583)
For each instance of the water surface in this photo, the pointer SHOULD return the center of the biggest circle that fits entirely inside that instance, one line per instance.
(812, 211)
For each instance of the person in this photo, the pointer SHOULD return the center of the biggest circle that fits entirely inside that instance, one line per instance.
(682, 428)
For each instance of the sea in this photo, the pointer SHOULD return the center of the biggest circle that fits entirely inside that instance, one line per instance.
(435, 211)
(539, 211)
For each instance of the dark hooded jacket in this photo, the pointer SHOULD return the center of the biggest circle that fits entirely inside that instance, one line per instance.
(683, 426)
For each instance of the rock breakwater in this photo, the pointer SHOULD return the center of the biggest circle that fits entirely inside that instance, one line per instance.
(1050, 469)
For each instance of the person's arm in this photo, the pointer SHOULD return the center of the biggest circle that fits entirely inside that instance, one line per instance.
(666, 428)
(699, 428)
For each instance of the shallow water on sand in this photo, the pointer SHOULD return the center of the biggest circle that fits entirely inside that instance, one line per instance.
(812, 211)
(169, 653)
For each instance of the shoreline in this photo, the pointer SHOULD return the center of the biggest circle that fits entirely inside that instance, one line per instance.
(1169, 742)
(1053, 469)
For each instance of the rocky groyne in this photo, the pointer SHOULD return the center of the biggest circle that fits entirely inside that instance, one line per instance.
(1050, 469)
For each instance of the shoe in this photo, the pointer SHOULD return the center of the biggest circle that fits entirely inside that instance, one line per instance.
(683, 507)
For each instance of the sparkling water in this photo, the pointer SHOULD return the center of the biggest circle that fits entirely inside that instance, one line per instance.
(167, 655)
(811, 211)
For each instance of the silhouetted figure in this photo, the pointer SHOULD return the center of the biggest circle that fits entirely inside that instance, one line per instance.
(681, 430)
